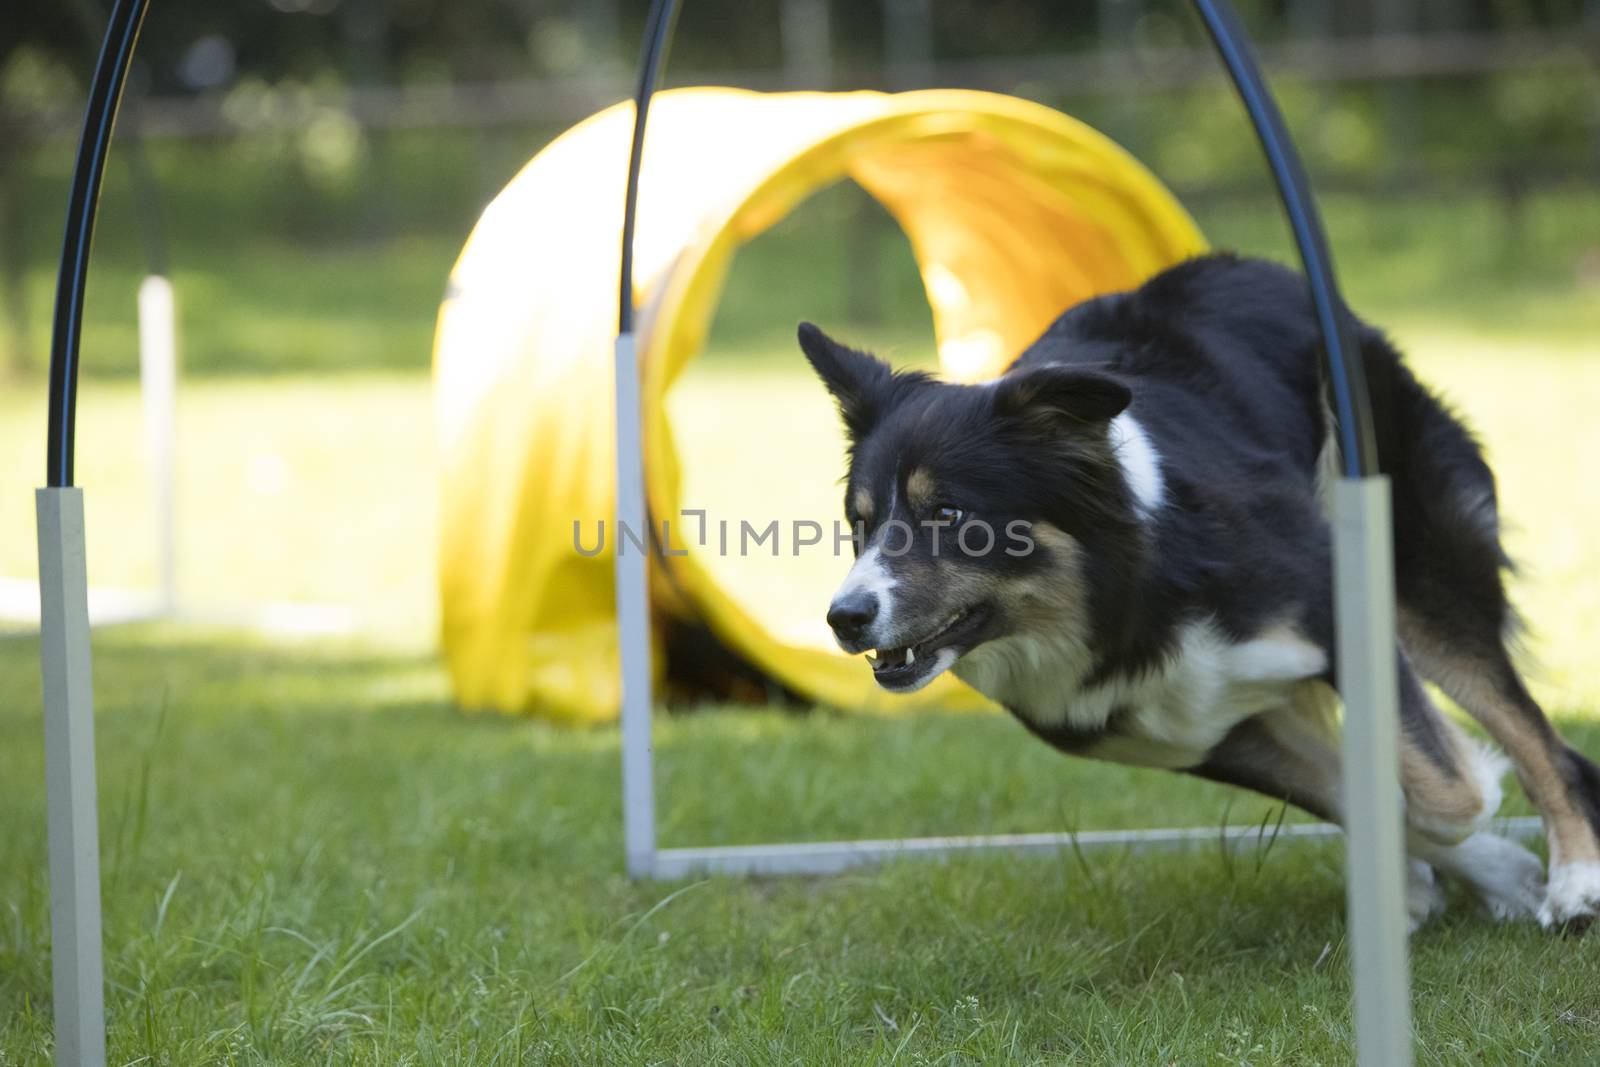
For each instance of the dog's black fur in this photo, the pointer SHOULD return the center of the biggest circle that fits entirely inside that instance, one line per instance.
(1217, 361)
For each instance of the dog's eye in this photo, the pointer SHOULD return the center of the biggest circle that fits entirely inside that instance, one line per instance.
(954, 516)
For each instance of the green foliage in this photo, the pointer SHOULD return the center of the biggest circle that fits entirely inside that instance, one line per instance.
(294, 256)
(1547, 112)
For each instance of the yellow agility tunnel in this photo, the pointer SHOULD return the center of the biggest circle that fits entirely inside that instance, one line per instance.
(1013, 211)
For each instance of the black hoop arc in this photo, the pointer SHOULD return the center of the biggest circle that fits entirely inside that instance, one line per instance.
(1343, 368)
(105, 94)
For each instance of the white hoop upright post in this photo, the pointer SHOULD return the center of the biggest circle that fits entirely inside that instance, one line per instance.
(633, 619)
(158, 388)
(1363, 569)
(77, 971)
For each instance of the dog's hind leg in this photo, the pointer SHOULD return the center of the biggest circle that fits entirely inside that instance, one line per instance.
(1294, 755)
(1451, 782)
(1561, 782)
(1451, 785)
(1454, 618)
(1452, 789)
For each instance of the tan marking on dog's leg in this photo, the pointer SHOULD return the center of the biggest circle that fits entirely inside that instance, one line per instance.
(1449, 804)
(1537, 756)
(1537, 753)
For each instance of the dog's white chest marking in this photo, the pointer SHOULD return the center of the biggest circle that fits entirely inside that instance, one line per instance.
(1170, 716)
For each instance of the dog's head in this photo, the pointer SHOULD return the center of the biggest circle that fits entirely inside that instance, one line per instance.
(981, 511)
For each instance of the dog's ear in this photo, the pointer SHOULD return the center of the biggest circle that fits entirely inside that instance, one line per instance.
(1059, 396)
(861, 384)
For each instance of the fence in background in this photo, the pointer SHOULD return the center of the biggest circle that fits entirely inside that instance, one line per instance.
(1116, 71)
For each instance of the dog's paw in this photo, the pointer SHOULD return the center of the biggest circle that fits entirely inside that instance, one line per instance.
(1424, 895)
(1507, 879)
(1572, 898)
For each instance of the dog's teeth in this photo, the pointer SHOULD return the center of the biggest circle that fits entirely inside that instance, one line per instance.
(911, 655)
(873, 656)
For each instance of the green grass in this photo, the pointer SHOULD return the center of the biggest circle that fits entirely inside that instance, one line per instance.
(289, 489)
(308, 858)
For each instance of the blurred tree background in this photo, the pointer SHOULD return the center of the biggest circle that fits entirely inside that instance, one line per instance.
(306, 172)
(286, 127)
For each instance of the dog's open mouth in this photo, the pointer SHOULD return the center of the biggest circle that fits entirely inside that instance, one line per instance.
(912, 666)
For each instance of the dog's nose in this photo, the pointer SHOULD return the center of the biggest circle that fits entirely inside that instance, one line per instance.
(851, 613)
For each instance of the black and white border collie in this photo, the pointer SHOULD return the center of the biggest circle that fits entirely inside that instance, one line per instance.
(1168, 453)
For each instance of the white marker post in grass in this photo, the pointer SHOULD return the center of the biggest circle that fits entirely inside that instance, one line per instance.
(1363, 581)
(77, 970)
(158, 388)
(633, 620)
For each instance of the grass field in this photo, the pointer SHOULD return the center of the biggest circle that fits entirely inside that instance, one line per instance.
(310, 857)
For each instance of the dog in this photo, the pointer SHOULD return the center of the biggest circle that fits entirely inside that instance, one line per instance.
(1124, 540)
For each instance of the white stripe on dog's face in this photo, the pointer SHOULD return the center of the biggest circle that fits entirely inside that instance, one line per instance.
(1141, 465)
(870, 574)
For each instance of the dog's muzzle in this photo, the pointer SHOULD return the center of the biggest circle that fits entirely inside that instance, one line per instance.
(851, 615)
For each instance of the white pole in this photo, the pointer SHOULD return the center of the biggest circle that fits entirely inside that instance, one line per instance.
(806, 35)
(633, 619)
(908, 43)
(1363, 567)
(158, 383)
(76, 967)
(831, 857)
